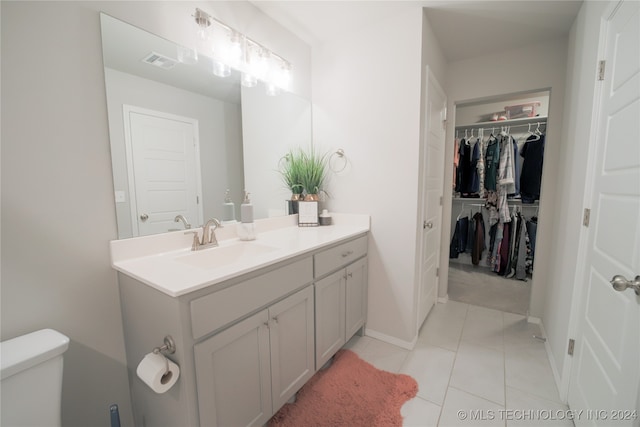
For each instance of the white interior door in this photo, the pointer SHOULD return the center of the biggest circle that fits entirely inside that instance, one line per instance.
(432, 187)
(605, 373)
(164, 170)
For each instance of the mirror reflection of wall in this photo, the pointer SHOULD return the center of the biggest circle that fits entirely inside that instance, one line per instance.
(233, 135)
(268, 135)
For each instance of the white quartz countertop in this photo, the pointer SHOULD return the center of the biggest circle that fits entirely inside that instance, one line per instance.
(158, 260)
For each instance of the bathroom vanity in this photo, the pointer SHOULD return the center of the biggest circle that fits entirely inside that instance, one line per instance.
(252, 321)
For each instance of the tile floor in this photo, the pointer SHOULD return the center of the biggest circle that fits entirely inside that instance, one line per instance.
(473, 362)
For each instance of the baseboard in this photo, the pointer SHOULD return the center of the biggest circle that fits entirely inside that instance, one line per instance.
(409, 345)
(444, 299)
(537, 321)
(554, 370)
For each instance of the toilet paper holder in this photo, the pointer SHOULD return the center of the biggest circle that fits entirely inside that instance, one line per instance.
(169, 347)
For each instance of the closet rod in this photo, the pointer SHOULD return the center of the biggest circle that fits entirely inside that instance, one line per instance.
(500, 125)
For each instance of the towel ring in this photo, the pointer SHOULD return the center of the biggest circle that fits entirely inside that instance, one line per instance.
(340, 153)
(285, 158)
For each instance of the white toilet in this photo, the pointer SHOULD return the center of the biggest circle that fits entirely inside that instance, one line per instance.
(32, 379)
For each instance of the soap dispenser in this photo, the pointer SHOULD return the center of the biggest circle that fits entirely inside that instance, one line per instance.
(229, 209)
(246, 230)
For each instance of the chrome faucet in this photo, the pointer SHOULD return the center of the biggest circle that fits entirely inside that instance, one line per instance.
(209, 239)
(184, 221)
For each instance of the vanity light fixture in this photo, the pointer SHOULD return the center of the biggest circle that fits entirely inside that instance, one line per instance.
(232, 49)
(203, 20)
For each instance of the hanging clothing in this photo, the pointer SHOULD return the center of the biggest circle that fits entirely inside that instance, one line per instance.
(506, 181)
(492, 207)
(516, 225)
(532, 228)
(516, 169)
(506, 171)
(459, 240)
(467, 183)
(531, 176)
(491, 161)
(521, 272)
(504, 249)
(492, 243)
(496, 249)
(475, 176)
(480, 167)
(456, 160)
(478, 239)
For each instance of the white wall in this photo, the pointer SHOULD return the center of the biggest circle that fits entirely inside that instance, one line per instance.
(366, 95)
(572, 156)
(504, 73)
(58, 211)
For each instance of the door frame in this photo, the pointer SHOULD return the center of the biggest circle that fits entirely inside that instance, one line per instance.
(580, 275)
(128, 144)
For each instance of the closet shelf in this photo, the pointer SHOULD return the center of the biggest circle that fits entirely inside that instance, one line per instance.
(498, 124)
(511, 202)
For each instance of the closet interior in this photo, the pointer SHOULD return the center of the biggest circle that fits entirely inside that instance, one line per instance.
(498, 159)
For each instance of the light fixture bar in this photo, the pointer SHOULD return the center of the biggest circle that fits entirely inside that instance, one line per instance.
(259, 63)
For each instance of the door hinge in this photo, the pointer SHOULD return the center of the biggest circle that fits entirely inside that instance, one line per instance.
(572, 344)
(440, 200)
(601, 67)
(586, 217)
(438, 272)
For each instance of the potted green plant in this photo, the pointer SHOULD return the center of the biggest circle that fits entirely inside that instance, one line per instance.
(313, 173)
(291, 170)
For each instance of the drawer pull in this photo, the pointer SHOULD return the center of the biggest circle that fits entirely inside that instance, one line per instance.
(346, 254)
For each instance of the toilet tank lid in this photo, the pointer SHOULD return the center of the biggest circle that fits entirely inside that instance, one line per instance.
(23, 352)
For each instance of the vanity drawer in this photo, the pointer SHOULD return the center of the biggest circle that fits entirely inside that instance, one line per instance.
(338, 256)
(217, 309)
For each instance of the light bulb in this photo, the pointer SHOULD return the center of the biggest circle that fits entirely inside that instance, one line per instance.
(235, 47)
(221, 69)
(248, 80)
(187, 55)
(272, 89)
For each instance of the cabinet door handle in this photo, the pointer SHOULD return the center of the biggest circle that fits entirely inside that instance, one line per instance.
(346, 254)
(266, 324)
(350, 274)
(275, 319)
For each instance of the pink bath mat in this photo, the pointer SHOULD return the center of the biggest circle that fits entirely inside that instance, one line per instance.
(350, 392)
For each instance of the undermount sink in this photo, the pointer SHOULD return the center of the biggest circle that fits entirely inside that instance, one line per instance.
(225, 255)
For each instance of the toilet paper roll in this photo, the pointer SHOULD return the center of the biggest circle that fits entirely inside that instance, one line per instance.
(153, 371)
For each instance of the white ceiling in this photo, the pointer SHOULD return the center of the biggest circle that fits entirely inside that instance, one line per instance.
(464, 28)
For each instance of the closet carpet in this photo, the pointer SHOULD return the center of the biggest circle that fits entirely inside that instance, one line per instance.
(480, 286)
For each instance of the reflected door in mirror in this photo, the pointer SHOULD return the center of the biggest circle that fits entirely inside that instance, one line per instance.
(163, 170)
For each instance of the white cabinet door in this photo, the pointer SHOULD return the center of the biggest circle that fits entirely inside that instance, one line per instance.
(292, 345)
(356, 297)
(330, 316)
(233, 375)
